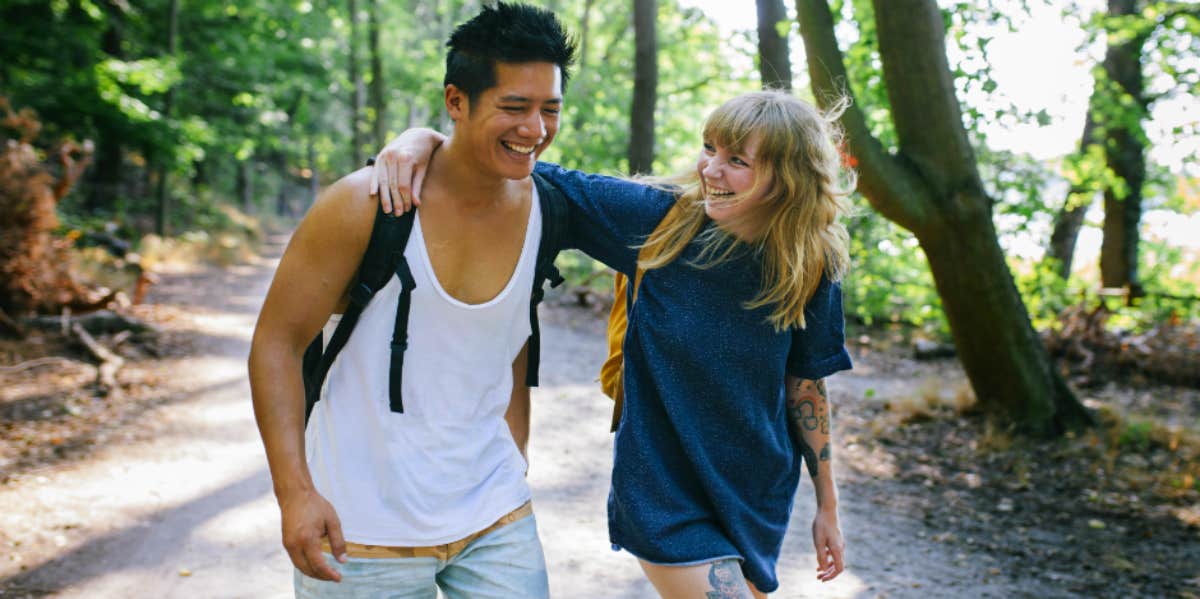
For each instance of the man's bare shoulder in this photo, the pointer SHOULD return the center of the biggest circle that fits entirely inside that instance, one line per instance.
(343, 208)
(350, 193)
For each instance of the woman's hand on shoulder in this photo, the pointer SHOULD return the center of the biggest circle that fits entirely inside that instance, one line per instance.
(400, 168)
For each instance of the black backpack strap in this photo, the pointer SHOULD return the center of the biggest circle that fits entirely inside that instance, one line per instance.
(400, 335)
(554, 228)
(384, 255)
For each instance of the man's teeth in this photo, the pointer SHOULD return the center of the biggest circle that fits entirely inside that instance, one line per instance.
(518, 148)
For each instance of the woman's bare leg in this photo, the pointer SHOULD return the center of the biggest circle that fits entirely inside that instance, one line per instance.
(717, 580)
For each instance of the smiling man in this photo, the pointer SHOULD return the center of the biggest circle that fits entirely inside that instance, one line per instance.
(409, 475)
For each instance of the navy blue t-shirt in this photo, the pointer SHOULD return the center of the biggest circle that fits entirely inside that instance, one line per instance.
(705, 466)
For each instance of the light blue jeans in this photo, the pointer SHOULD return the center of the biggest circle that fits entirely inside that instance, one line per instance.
(504, 564)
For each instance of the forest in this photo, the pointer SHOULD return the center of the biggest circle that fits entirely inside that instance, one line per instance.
(145, 140)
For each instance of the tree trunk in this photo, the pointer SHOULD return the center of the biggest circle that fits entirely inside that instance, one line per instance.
(645, 87)
(244, 187)
(1069, 220)
(356, 95)
(1126, 155)
(932, 187)
(314, 179)
(104, 183)
(1004, 358)
(376, 90)
(160, 215)
(581, 78)
(774, 62)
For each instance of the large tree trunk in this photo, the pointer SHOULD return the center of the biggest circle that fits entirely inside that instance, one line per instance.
(356, 93)
(376, 91)
(1069, 219)
(932, 187)
(1004, 358)
(645, 87)
(774, 63)
(1126, 156)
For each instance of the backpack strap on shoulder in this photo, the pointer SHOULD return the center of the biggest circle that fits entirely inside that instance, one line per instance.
(554, 229)
(383, 258)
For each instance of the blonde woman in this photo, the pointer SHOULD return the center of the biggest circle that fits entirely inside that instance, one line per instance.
(738, 321)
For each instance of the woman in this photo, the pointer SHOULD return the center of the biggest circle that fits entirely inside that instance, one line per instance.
(738, 319)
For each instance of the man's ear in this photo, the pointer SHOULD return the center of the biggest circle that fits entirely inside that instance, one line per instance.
(458, 105)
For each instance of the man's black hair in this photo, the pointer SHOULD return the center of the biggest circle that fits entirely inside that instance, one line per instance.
(513, 33)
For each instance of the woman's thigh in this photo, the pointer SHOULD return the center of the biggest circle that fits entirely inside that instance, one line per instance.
(715, 580)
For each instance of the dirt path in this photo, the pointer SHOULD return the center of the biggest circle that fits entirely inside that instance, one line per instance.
(179, 503)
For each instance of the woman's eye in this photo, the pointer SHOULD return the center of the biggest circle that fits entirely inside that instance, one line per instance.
(738, 161)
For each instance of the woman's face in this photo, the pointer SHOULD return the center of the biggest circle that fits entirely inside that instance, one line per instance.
(731, 185)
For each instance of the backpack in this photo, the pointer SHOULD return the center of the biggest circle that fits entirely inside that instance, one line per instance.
(612, 379)
(384, 258)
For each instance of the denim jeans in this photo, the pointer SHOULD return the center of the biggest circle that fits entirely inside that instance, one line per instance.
(506, 563)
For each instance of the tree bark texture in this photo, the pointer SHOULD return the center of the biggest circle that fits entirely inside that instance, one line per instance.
(774, 62)
(931, 186)
(376, 90)
(1126, 154)
(645, 87)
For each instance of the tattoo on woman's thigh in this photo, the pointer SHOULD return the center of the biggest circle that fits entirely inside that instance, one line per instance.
(727, 581)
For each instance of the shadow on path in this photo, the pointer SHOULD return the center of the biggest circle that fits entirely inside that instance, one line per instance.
(111, 553)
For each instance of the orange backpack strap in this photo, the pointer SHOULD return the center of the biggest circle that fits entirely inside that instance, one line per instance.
(612, 380)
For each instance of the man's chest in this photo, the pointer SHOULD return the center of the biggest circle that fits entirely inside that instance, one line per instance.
(474, 258)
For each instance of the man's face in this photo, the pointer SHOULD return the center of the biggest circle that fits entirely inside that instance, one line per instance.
(509, 125)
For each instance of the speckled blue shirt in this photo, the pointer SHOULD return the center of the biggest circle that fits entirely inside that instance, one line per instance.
(705, 466)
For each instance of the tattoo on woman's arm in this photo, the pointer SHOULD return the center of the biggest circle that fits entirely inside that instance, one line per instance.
(808, 407)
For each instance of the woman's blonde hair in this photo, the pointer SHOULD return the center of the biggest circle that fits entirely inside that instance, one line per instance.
(801, 237)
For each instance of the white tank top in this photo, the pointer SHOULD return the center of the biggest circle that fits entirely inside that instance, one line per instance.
(447, 467)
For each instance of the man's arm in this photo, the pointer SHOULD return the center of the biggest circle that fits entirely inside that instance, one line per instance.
(810, 415)
(313, 276)
(518, 405)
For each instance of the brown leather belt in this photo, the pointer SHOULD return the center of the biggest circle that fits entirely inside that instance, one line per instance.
(442, 552)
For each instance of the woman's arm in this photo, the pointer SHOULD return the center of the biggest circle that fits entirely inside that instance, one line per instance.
(810, 416)
(400, 169)
(608, 217)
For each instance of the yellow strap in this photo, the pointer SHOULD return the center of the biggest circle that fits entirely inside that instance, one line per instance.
(612, 371)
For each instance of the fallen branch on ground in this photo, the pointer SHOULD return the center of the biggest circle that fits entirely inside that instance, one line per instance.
(26, 365)
(110, 363)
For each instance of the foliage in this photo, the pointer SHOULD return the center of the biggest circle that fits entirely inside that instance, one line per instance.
(33, 272)
(260, 98)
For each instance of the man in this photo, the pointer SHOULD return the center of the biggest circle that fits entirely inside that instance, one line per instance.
(437, 487)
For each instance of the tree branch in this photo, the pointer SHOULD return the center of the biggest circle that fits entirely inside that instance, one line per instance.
(690, 87)
(924, 103)
(887, 184)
